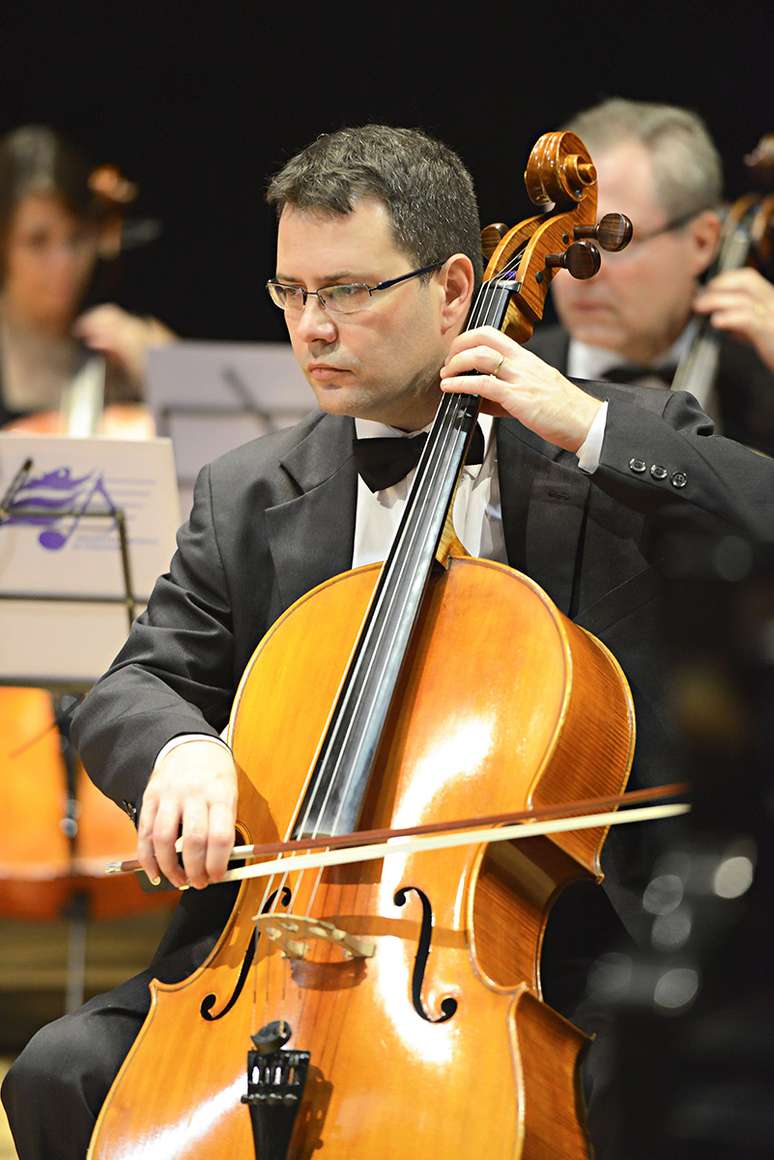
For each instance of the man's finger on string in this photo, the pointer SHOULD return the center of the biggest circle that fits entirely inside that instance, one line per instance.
(487, 337)
(487, 387)
(484, 360)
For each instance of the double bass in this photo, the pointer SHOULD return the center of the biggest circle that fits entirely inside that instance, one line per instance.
(393, 1006)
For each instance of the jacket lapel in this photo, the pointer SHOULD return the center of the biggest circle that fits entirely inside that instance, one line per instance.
(311, 536)
(544, 496)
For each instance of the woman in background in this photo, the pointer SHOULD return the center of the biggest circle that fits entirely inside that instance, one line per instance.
(53, 360)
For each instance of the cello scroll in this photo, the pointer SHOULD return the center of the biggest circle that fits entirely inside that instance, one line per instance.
(560, 177)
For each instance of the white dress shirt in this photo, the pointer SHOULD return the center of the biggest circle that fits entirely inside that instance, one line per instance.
(594, 362)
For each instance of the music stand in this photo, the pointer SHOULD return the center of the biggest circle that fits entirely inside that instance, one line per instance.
(210, 397)
(86, 526)
(86, 529)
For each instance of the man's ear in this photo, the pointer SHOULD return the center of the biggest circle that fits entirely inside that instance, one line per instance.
(705, 233)
(456, 279)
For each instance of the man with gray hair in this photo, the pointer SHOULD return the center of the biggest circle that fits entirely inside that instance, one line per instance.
(635, 321)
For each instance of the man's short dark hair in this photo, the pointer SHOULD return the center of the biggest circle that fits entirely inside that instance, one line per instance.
(426, 188)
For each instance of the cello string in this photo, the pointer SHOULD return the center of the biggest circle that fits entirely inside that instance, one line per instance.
(483, 313)
(481, 308)
(286, 878)
(383, 608)
(283, 883)
(438, 460)
(487, 296)
(480, 314)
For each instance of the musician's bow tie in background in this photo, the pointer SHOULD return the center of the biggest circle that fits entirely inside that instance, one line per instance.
(630, 373)
(383, 462)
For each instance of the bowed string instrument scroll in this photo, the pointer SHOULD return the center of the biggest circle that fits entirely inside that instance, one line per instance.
(560, 177)
(384, 701)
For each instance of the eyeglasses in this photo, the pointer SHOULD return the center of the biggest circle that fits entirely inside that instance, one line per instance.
(344, 299)
(667, 228)
(675, 223)
(639, 239)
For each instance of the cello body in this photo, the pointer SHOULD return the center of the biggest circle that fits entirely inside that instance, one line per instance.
(413, 982)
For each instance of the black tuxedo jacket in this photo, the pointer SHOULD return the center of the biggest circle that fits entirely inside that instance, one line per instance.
(276, 517)
(744, 385)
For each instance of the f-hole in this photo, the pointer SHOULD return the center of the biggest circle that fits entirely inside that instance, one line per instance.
(209, 1001)
(448, 1005)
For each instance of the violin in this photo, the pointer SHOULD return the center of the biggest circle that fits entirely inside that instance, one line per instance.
(746, 238)
(393, 1005)
(56, 827)
(83, 410)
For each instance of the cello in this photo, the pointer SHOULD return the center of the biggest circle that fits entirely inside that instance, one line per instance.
(399, 982)
(746, 238)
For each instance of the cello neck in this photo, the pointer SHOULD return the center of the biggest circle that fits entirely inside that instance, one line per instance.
(340, 779)
(698, 367)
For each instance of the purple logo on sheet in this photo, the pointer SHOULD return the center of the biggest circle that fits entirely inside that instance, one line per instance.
(58, 500)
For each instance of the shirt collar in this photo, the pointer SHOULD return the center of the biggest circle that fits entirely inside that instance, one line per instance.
(371, 429)
(593, 362)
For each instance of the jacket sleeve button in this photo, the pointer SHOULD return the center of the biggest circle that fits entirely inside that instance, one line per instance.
(658, 472)
(679, 479)
(638, 465)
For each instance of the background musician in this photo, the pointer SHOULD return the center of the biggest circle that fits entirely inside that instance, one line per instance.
(634, 321)
(378, 254)
(49, 248)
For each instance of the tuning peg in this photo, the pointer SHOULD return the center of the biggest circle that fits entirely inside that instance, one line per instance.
(613, 232)
(491, 236)
(581, 259)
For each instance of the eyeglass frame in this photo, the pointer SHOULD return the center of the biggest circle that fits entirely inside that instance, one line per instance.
(385, 285)
(668, 226)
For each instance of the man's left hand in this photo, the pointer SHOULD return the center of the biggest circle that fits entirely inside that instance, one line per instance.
(514, 382)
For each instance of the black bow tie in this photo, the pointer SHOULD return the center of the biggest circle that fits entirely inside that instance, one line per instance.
(383, 462)
(634, 374)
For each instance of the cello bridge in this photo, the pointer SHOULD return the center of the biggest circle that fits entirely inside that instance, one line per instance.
(296, 934)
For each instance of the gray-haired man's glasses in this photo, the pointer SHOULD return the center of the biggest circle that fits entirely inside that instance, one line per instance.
(343, 299)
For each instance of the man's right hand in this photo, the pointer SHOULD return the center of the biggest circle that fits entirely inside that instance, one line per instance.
(742, 303)
(192, 792)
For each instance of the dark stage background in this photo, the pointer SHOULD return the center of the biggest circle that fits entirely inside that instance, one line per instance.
(199, 103)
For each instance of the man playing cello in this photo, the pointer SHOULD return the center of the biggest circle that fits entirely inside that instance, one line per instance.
(377, 259)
